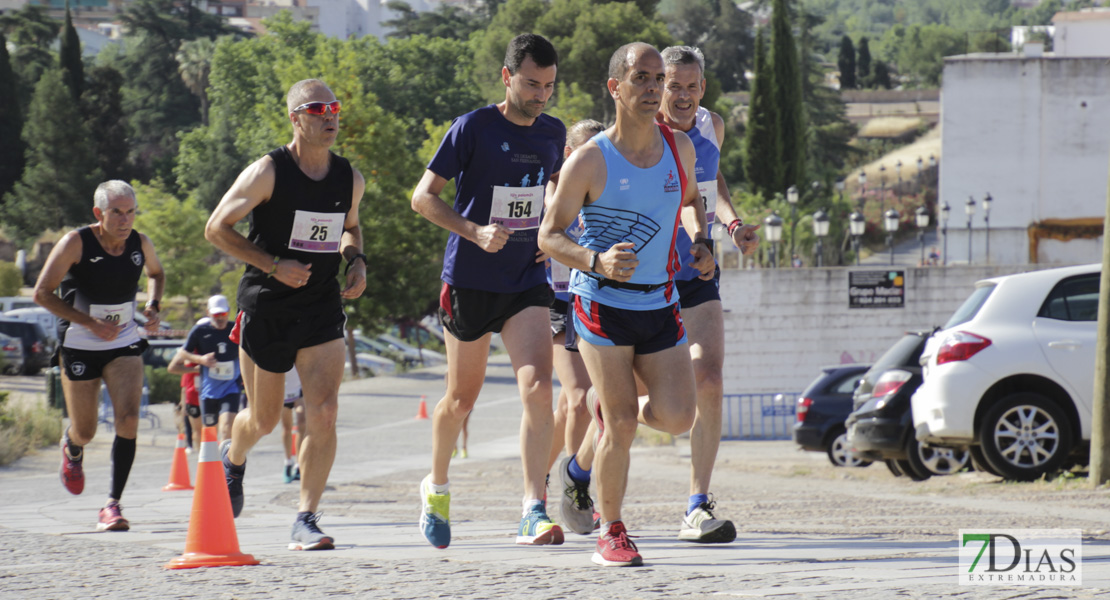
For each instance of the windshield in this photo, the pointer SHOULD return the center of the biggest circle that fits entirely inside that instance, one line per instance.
(970, 307)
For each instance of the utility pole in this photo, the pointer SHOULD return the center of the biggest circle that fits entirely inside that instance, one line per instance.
(1100, 429)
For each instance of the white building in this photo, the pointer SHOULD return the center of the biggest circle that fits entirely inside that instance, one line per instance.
(1082, 33)
(1029, 129)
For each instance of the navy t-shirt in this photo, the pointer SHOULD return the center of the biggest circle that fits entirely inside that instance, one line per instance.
(500, 169)
(222, 379)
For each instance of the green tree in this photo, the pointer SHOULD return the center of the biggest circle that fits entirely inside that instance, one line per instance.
(786, 81)
(69, 57)
(194, 62)
(61, 174)
(882, 76)
(208, 163)
(10, 279)
(30, 31)
(448, 21)
(11, 123)
(761, 144)
(863, 63)
(102, 104)
(829, 133)
(846, 62)
(721, 29)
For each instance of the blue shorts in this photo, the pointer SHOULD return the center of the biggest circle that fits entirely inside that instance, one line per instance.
(647, 331)
(697, 291)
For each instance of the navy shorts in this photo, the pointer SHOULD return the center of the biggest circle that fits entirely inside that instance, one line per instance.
(273, 343)
(647, 331)
(697, 291)
(85, 365)
(214, 407)
(470, 314)
(558, 312)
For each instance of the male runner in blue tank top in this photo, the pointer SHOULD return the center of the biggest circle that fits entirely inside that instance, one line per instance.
(631, 183)
(502, 157)
(302, 200)
(97, 269)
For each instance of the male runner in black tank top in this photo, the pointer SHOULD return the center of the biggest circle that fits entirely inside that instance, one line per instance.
(97, 269)
(303, 203)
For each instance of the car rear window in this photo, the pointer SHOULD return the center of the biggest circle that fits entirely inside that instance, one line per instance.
(1073, 299)
(970, 307)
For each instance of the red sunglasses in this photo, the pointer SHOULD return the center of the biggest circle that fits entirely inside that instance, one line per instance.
(318, 108)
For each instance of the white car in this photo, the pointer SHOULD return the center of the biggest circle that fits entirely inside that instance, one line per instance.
(1011, 375)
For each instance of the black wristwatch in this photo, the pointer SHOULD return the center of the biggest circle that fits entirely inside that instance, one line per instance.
(155, 304)
(593, 263)
(352, 261)
(708, 243)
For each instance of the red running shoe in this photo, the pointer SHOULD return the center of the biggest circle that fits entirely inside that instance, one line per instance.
(111, 519)
(614, 549)
(73, 476)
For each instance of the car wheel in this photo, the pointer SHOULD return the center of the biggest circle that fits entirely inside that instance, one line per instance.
(892, 466)
(980, 462)
(935, 460)
(913, 467)
(1025, 436)
(840, 453)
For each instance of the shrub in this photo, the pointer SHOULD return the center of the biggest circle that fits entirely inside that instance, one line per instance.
(24, 429)
(164, 386)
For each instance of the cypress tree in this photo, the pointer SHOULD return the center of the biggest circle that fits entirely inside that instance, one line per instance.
(882, 75)
(846, 62)
(11, 122)
(787, 83)
(760, 143)
(863, 63)
(69, 57)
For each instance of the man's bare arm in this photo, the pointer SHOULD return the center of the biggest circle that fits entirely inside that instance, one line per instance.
(426, 201)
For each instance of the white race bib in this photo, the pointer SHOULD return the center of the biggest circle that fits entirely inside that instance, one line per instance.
(560, 276)
(708, 191)
(517, 207)
(119, 314)
(224, 370)
(316, 232)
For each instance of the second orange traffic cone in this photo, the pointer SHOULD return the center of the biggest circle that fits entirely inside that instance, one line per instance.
(179, 468)
(212, 541)
(295, 432)
(422, 412)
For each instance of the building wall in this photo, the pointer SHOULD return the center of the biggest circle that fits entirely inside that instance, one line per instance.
(1084, 37)
(1032, 133)
(782, 325)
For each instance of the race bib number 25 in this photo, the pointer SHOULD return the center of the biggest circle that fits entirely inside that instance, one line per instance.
(316, 232)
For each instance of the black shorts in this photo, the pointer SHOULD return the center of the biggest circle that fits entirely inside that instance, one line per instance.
(697, 291)
(470, 314)
(85, 365)
(273, 343)
(214, 407)
(558, 312)
(193, 410)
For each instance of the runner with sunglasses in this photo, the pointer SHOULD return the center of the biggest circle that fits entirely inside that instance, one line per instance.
(501, 157)
(302, 201)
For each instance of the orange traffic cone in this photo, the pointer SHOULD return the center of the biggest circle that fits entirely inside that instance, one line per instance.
(295, 433)
(179, 469)
(422, 412)
(212, 541)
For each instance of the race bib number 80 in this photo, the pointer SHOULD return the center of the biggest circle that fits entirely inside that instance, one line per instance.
(708, 191)
(316, 232)
(119, 314)
(517, 207)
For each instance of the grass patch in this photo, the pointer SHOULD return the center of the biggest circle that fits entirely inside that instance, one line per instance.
(23, 429)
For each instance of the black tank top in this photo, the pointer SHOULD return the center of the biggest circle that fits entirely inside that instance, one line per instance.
(302, 220)
(100, 279)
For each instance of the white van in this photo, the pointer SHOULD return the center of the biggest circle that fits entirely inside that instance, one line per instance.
(38, 315)
(13, 302)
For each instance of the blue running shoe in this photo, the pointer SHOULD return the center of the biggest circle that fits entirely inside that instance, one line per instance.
(537, 529)
(234, 476)
(434, 521)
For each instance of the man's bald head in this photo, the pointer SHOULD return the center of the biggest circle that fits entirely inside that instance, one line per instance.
(625, 56)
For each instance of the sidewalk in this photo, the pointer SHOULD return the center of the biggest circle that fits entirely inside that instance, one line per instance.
(51, 550)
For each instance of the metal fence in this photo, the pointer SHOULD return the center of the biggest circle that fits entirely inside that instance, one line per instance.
(758, 416)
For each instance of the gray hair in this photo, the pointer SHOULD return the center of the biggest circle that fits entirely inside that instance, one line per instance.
(683, 55)
(111, 189)
(299, 92)
(622, 59)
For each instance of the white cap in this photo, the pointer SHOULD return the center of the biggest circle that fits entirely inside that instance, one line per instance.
(218, 304)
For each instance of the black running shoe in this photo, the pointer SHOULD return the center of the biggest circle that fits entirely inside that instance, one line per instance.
(307, 534)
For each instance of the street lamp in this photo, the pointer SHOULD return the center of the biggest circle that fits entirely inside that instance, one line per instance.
(857, 224)
(921, 215)
(820, 230)
(987, 221)
(969, 208)
(862, 188)
(898, 169)
(944, 212)
(792, 198)
(882, 188)
(890, 223)
(772, 226)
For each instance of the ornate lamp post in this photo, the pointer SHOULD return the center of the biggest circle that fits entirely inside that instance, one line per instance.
(792, 198)
(820, 230)
(862, 189)
(772, 225)
(882, 188)
(945, 211)
(969, 208)
(921, 216)
(898, 170)
(890, 223)
(920, 165)
(987, 221)
(857, 225)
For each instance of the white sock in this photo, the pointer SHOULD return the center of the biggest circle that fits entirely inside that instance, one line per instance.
(441, 489)
(289, 461)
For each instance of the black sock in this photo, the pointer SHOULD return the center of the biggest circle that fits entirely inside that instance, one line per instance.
(75, 451)
(123, 455)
